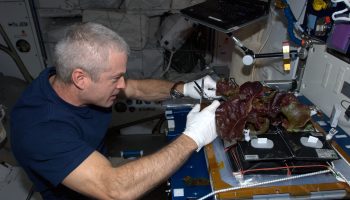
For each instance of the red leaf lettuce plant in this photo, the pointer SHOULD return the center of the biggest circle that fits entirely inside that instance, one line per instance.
(256, 107)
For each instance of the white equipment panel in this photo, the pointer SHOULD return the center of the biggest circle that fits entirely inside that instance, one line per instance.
(323, 80)
(18, 20)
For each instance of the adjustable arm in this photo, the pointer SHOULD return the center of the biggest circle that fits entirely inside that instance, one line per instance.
(250, 56)
(240, 45)
(292, 53)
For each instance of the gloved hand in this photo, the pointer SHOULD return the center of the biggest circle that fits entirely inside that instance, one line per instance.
(209, 88)
(200, 125)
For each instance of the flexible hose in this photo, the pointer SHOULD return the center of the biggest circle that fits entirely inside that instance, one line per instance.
(264, 183)
(11, 51)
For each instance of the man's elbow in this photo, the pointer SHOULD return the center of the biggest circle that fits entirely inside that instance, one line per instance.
(120, 195)
(118, 191)
(113, 195)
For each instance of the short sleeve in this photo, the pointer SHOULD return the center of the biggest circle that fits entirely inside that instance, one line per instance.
(54, 150)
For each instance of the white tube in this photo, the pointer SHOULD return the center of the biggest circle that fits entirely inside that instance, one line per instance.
(264, 183)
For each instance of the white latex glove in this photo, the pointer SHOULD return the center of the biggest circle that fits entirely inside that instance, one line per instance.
(209, 88)
(200, 125)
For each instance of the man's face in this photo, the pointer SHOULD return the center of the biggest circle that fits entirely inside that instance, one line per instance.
(103, 92)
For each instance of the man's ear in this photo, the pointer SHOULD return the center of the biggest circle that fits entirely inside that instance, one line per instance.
(80, 78)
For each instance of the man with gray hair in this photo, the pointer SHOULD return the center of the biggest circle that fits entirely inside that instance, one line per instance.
(59, 123)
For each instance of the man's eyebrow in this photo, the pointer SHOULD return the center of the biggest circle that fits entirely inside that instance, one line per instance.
(118, 75)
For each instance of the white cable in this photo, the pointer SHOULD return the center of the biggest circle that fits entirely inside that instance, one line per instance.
(338, 173)
(169, 63)
(264, 183)
(340, 12)
(302, 11)
(347, 3)
(341, 177)
(272, 13)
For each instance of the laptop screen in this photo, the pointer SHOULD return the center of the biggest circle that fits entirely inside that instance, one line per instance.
(227, 15)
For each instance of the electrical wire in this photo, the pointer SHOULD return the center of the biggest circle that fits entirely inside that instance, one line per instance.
(341, 103)
(269, 28)
(341, 122)
(31, 192)
(346, 161)
(301, 12)
(341, 12)
(169, 64)
(265, 182)
(287, 167)
(339, 173)
(11, 51)
(120, 4)
(268, 36)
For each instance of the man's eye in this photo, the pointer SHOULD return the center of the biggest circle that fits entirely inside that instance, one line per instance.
(115, 79)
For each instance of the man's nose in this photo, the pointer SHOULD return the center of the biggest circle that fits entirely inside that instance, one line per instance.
(121, 83)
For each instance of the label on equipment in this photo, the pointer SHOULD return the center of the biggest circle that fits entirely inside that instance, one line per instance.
(251, 157)
(179, 192)
(326, 153)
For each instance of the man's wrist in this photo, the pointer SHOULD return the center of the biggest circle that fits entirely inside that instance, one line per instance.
(190, 142)
(176, 90)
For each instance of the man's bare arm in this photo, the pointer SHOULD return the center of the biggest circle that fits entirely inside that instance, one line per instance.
(95, 177)
(149, 89)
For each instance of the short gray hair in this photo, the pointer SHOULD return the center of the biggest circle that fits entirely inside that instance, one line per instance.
(86, 46)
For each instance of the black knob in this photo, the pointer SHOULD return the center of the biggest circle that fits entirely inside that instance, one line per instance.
(120, 107)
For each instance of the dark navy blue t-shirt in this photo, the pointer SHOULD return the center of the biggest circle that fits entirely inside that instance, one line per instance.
(50, 137)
